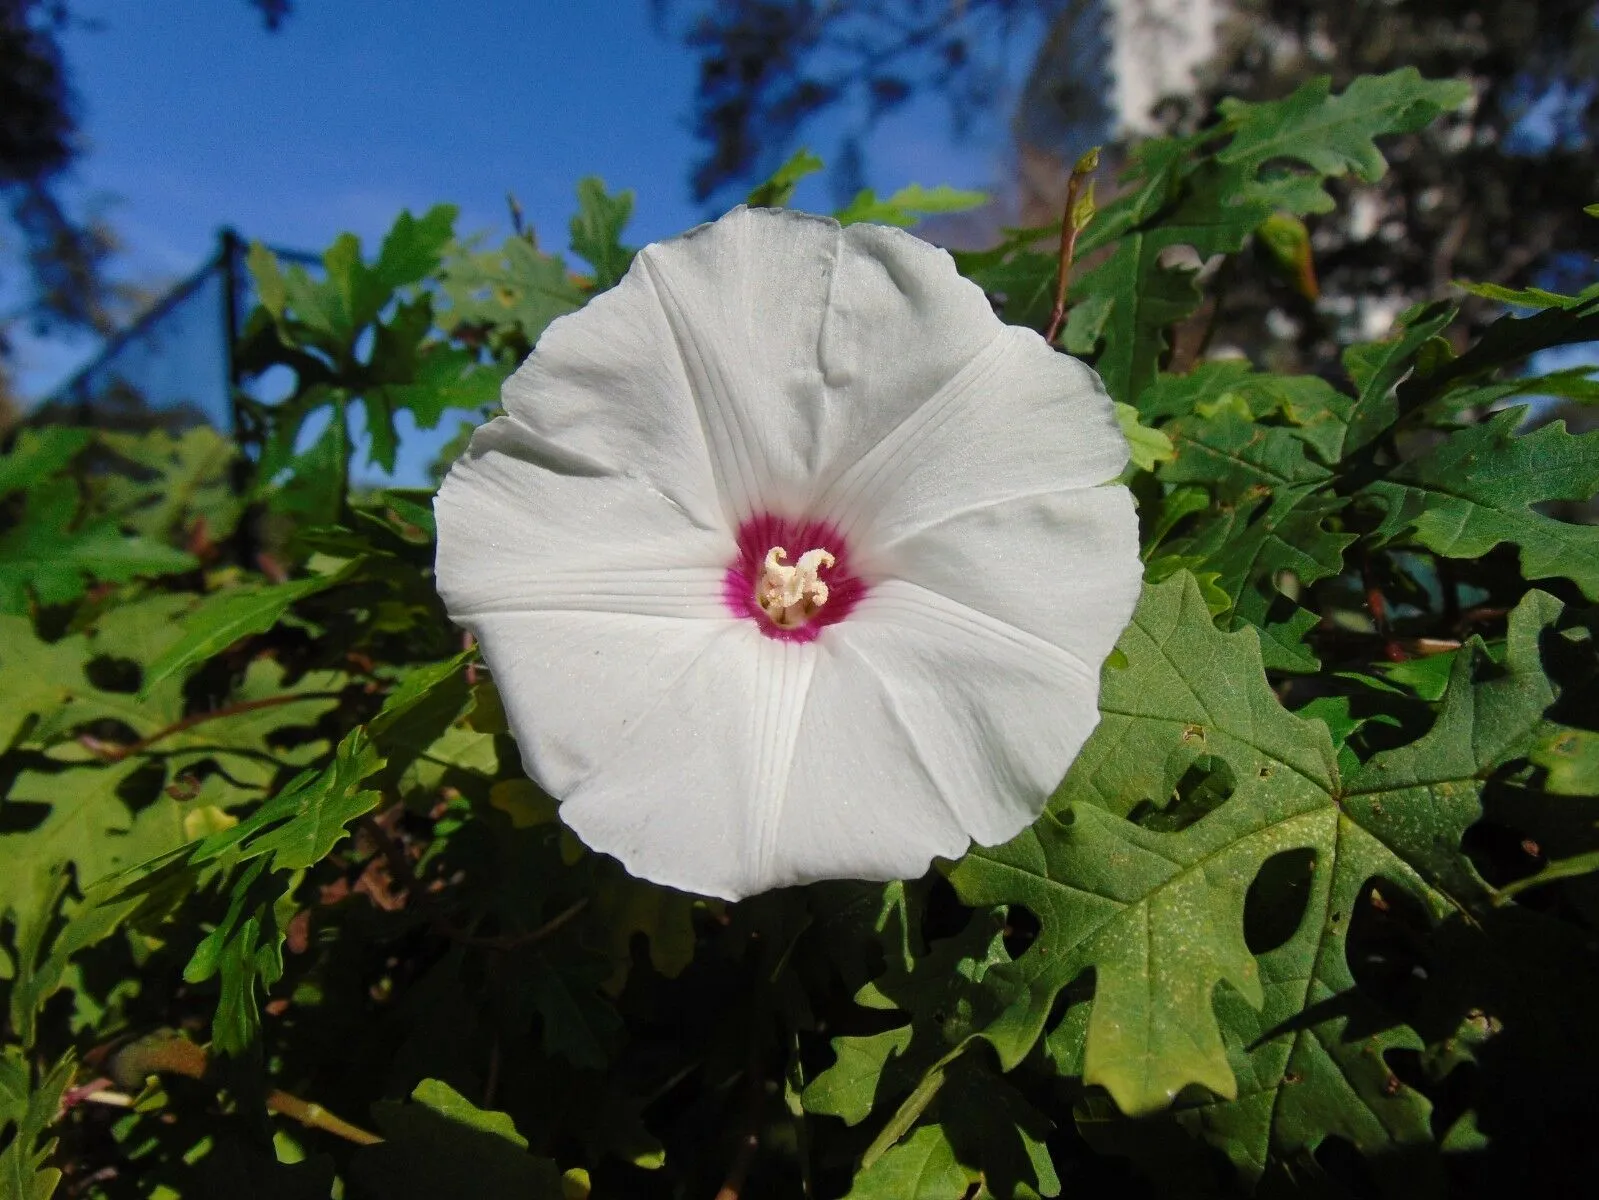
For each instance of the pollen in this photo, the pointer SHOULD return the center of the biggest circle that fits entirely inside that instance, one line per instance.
(791, 595)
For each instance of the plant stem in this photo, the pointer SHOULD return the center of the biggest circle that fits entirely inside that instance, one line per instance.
(1069, 229)
(115, 753)
(317, 1117)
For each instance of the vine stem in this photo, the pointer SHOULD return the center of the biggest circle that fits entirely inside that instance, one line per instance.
(115, 753)
(1069, 229)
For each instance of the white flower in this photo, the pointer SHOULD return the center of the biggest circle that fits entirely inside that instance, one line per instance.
(791, 561)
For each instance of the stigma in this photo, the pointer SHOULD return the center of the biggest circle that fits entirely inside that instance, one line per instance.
(791, 595)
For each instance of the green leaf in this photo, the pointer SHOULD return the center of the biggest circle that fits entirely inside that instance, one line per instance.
(46, 557)
(1270, 517)
(909, 205)
(40, 680)
(777, 191)
(1159, 915)
(579, 1024)
(440, 1145)
(922, 1167)
(1334, 134)
(25, 1173)
(46, 948)
(597, 231)
(664, 916)
(299, 826)
(1239, 459)
(1155, 914)
(39, 454)
(1476, 489)
(1203, 208)
(1317, 412)
(983, 1133)
(1508, 341)
(270, 286)
(294, 830)
(1148, 446)
(1531, 297)
(73, 816)
(1377, 370)
(225, 617)
(848, 1089)
(428, 700)
(333, 313)
(447, 1102)
(190, 481)
(413, 248)
(516, 287)
(1482, 725)
(1571, 758)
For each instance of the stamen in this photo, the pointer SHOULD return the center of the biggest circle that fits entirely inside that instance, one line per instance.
(790, 596)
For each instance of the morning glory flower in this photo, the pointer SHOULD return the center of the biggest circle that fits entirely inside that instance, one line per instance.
(791, 561)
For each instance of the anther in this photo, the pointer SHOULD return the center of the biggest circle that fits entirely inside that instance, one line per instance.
(790, 596)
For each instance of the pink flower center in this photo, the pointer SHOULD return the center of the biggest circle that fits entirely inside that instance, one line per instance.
(792, 578)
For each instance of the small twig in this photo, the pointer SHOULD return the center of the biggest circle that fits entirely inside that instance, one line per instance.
(1483, 614)
(511, 941)
(317, 1117)
(1070, 227)
(115, 753)
(748, 1143)
(749, 1140)
(1425, 647)
(1377, 604)
(491, 1085)
(1449, 588)
(1218, 296)
(793, 1088)
(107, 1096)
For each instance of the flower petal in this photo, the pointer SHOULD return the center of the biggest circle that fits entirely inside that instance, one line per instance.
(691, 790)
(771, 763)
(580, 688)
(1069, 572)
(1017, 419)
(993, 715)
(744, 298)
(806, 343)
(523, 527)
(605, 393)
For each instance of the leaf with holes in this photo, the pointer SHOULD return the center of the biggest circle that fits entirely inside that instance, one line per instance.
(1311, 1061)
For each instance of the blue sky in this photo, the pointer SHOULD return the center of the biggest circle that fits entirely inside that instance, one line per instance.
(195, 117)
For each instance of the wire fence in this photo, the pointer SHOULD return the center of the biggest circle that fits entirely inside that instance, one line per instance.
(174, 367)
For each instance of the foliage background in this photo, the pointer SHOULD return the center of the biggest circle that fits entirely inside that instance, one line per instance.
(1314, 912)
